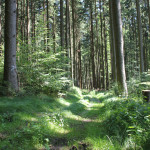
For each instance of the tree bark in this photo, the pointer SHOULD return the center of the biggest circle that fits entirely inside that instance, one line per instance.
(54, 29)
(113, 55)
(102, 46)
(33, 18)
(71, 43)
(28, 22)
(67, 25)
(148, 14)
(74, 39)
(24, 21)
(61, 24)
(47, 3)
(0, 30)
(146, 95)
(17, 21)
(33, 23)
(106, 57)
(21, 20)
(45, 24)
(118, 37)
(79, 66)
(10, 69)
(92, 47)
(140, 37)
(97, 64)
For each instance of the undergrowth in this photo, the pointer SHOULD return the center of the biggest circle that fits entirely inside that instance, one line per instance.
(76, 119)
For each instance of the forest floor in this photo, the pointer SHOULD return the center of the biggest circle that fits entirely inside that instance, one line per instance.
(77, 120)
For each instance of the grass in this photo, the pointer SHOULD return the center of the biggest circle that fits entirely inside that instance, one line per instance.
(85, 120)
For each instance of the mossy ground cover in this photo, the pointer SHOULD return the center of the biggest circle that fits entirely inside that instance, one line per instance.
(75, 120)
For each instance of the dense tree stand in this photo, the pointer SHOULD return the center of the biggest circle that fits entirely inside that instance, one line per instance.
(89, 44)
(82, 67)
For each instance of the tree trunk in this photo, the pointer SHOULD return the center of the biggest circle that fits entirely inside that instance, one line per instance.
(102, 47)
(28, 22)
(113, 55)
(61, 24)
(54, 29)
(118, 37)
(97, 64)
(10, 69)
(17, 21)
(92, 48)
(146, 95)
(148, 14)
(106, 57)
(24, 21)
(67, 39)
(149, 31)
(33, 23)
(0, 30)
(79, 67)
(47, 3)
(33, 19)
(67, 28)
(47, 26)
(21, 20)
(74, 39)
(140, 37)
(71, 43)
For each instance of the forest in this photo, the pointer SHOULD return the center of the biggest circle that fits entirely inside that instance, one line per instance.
(74, 75)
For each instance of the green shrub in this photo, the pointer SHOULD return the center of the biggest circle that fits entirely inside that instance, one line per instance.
(129, 119)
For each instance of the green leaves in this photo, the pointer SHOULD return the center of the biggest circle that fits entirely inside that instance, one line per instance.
(129, 119)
